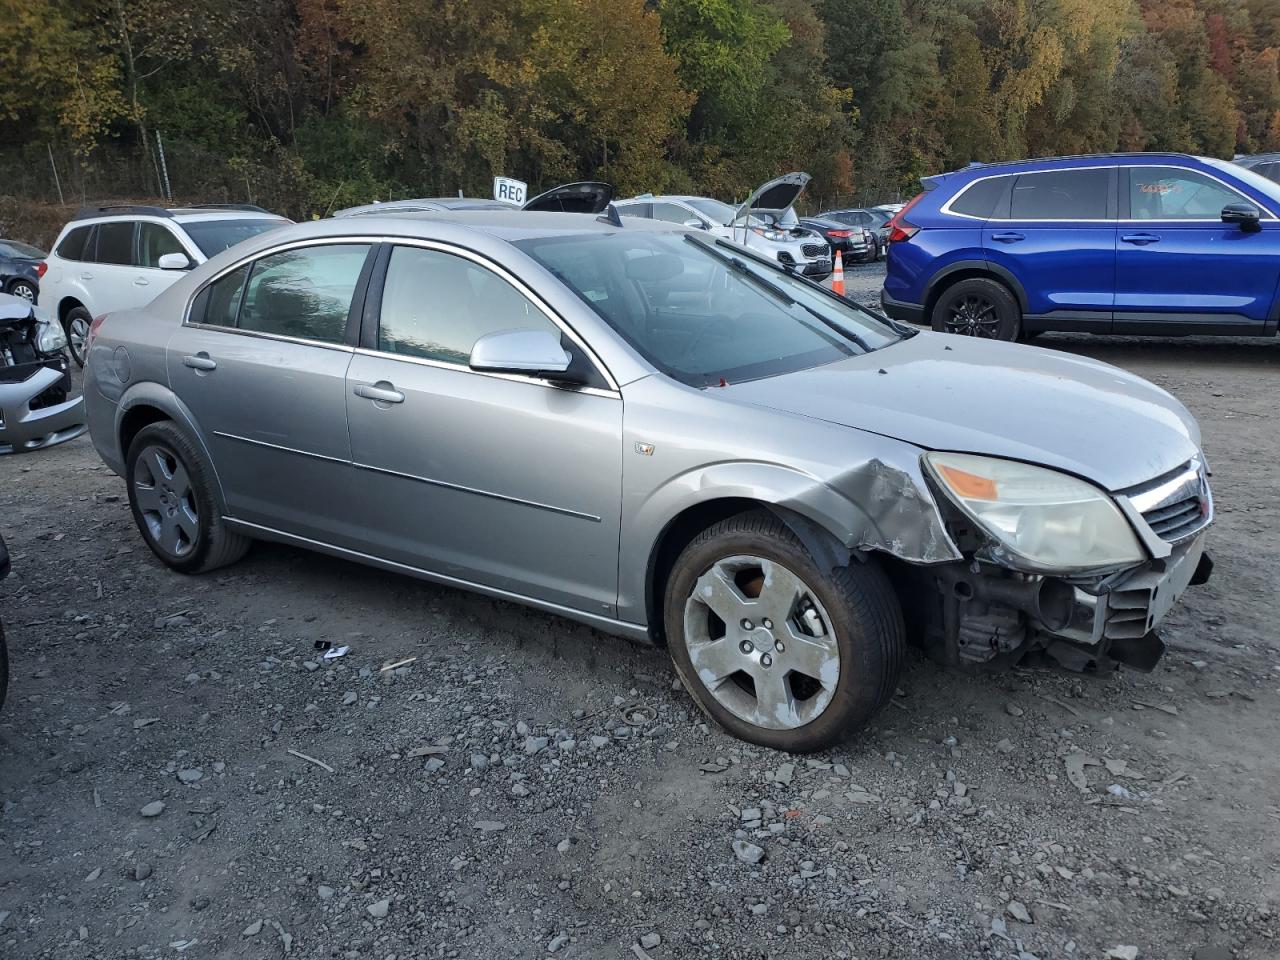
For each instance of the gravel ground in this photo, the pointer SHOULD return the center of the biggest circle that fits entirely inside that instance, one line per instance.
(182, 772)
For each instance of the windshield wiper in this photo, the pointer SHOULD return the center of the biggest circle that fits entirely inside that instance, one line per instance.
(738, 266)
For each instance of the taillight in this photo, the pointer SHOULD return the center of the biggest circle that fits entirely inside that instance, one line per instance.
(840, 234)
(41, 269)
(93, 329)
(899, 227)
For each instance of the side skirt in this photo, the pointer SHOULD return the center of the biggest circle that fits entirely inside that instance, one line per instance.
(621, 628)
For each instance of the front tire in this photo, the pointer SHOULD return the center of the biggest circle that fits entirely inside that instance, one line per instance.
(978, 307)
(776, 650)
(77, 325)
(171, 486)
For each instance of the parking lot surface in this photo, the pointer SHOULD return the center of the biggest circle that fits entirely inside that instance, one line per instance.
(184, 773)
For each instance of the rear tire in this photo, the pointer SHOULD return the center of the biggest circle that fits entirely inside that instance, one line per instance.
(76, 324)
(171, 493)
(825, 647)
(25, 290)
(978, 307)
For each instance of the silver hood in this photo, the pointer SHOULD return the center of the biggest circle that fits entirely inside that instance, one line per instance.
(944, 392)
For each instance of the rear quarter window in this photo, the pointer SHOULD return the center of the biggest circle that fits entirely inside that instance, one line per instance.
(73, 244)
(980, 198)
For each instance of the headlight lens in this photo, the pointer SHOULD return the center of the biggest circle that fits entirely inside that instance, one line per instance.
(769, 234)
(50, 337)
(1049, 519)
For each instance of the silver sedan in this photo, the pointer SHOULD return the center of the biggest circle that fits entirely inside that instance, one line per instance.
(665, 436)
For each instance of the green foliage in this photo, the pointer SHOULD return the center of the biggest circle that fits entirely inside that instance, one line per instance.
(308, 105)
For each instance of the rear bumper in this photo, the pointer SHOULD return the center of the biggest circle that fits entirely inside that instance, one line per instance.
(23, 429)
(900, 310)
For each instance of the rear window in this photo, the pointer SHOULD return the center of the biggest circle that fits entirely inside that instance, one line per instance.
(115, 242)
(980, 198)
(1061, 195)
(72, 245)
(214, 236)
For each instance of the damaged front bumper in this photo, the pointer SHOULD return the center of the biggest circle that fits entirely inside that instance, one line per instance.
(34, 413)
(991, 617)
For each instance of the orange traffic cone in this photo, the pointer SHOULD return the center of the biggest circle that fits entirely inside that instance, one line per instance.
(837, 275)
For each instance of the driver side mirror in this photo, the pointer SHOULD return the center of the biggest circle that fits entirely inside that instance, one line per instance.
(174, 261)
(530, 352)
(1245, 214)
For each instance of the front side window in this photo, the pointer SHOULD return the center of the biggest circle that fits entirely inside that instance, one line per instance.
(1061, 195)
(1168, 193)
(702, 311)
(154, 241)
(436, 305)
(115, 242)
(304, 293)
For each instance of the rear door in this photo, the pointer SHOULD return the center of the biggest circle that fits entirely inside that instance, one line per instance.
(261, 362)
(109, 278)
(1180, 268)
(1055, 232)
(506, 481)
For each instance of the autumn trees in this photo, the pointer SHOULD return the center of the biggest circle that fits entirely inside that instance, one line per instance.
(311, 104)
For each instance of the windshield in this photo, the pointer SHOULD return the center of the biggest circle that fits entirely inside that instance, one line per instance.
(16, 248)
(721, 213)
(702, 312)
(1268, 188)
(214, 236)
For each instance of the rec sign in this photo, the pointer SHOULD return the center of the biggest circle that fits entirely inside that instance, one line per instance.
(510, 191)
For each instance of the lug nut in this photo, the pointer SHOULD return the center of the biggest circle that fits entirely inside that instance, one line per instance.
(747, 646)
(748, 625)
(779, 647)
(766, 661)
(768, 624)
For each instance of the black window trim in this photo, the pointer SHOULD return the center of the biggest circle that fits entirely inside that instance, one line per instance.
(354, 311)
(368, 336)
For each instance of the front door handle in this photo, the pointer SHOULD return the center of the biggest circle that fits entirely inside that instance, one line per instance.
(140, 281)
(380, 392)
(201, 362)
(1007, 237)
(1141, 239)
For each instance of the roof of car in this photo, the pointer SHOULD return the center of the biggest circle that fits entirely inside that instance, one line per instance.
(422, 204)
(194, 212)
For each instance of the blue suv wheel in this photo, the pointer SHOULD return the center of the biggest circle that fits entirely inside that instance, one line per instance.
(1163, 244)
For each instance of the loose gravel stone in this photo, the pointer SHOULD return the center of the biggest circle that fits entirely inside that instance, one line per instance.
(748, 852)
(153, 809)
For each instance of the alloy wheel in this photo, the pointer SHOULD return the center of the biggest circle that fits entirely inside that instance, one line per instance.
(761, 643)
(973, 316)
(166, 501)
(78, 338)
(24, 291)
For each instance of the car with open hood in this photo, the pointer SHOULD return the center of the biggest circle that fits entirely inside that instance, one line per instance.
(665, 435)
(765, 222)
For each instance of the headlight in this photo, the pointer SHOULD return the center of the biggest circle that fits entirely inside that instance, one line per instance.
(50, 338)
(1050, 520)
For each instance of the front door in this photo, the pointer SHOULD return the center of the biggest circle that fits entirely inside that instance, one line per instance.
(506, 481)
(1180, 267)
(1055, 231)
(262, 365)
(154, 241)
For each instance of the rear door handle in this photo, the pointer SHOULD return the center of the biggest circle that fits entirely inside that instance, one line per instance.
(200, 362)
(380, 392)
(1007, 237)
(86, 276)
(1141, 239)
(140, 281)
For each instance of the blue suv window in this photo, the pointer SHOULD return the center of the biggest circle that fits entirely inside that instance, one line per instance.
(1168, 193)
(980, 198)
(1061, 195)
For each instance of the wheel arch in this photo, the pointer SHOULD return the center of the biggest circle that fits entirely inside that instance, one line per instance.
(953, 273)
(66, 305)
(148, 402)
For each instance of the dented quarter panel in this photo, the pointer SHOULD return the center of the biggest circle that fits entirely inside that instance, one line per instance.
(866, 490)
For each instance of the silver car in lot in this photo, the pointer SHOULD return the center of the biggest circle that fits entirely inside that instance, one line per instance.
(36, 410)
(661, 434)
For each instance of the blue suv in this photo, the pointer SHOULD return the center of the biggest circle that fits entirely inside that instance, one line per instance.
(1127, 244)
